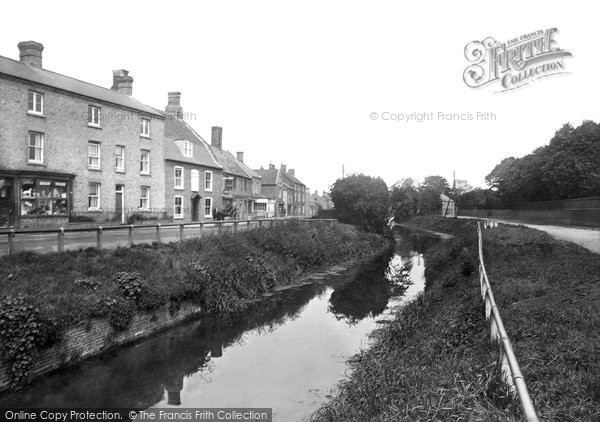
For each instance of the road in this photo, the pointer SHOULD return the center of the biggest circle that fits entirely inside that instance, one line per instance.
(588, 238)
(48, 242)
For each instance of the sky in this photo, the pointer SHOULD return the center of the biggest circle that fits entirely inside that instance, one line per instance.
(297, 83)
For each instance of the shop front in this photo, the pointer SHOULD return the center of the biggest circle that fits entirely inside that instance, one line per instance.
(34, 199)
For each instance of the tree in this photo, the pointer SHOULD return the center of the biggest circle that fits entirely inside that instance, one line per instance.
(362, 200)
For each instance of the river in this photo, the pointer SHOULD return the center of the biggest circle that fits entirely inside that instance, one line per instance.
(286, 352)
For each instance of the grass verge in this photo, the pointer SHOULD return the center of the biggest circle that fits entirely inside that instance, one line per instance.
(435, 362)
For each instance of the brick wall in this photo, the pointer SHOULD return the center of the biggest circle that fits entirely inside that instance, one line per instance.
(66, 135)
(97, 336)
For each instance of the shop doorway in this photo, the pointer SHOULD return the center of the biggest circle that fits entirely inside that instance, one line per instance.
(7, 209)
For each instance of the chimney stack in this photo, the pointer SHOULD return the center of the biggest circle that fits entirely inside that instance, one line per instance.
(240, 156)
(283, 168)
(291, 171)
(173, 107)
(271, 166)
(30, 53)
(122, 82)
(217, 137)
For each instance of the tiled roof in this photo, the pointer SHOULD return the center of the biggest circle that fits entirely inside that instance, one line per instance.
(230, 164)
(56, 80)
(293, 179)
(269, 176)
(248, 170)
(180, 130)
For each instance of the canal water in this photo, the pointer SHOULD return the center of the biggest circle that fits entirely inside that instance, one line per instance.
(287, 352)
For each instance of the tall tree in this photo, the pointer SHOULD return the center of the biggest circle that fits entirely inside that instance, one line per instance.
(362, 200)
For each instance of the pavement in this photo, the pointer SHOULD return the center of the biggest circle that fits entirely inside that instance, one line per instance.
(589, 238)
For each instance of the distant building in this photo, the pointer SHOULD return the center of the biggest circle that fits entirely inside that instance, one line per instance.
(448, 209)
(284, 194)
(320, 202)
(71, 147)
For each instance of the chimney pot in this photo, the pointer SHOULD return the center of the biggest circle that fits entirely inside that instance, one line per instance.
(271, 166)
(122, 82)
(283, 168)
(30, 52)
(240, 156)
(173, 107)
(217, 137)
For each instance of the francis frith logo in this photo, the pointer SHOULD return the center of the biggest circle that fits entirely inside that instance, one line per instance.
(514, 63)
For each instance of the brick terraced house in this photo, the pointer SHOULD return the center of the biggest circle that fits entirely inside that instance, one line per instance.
(285, 195)
(193, 177)
(69, 147)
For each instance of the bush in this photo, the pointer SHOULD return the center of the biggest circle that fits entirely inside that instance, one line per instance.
(121, 314)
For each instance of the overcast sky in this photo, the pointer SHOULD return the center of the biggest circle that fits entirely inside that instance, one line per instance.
(296, 82)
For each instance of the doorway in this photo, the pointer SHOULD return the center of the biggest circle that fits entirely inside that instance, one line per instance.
(119, 196)
(195, 208)
(6, 202)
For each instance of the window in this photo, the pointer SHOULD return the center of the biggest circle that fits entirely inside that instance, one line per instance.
(229, 183)
(195, 180)
(260, 206)
(93, 116)
(188, 149)
(145, 128)
(35, 103)
(36, 147)
(208, 181)
(94, 196)
(93, 155)
(178, 207)
(144, 198)
(207, 207)
(178, 177)
(120, 158)
(145, 162)
(43, 197)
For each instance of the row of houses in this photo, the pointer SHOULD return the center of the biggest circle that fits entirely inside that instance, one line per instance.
(72, 151)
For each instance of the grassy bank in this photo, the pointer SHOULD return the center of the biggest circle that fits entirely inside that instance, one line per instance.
(435, 362)
(46, 294)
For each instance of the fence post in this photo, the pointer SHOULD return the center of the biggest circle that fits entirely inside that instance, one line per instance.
(11, 242)
(235, 226)
(271, 223)
(221, 228)
(181, 227)
(99, 238)
(61, 239)
(260, 223)
(131, 236)
(200, 226)
(158, 234)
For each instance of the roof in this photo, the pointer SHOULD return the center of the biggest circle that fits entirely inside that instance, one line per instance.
(179, 130)
(293, 179)
(269, 176)
(230, 164)
(248, 170)
(45, 77)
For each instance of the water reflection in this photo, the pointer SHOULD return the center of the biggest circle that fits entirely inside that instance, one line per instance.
(286, 352)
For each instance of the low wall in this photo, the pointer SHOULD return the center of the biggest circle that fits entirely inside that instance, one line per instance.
(97, 336)
(569, 217)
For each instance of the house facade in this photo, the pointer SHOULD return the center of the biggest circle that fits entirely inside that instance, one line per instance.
(70, 148)
(284, 195)
(193, 177)
(241, 185)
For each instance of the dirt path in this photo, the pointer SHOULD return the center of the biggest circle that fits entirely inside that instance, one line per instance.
(588, 238)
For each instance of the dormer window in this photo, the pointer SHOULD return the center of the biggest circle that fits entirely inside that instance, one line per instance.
(188, 149)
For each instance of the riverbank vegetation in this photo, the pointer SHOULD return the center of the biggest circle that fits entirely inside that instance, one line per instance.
(435, 361)
(46, 294)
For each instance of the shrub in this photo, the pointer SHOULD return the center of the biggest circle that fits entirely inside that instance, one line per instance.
(130, 284)
(121, 314)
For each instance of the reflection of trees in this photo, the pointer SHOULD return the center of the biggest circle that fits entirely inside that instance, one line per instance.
(369, 291)
(138, 376)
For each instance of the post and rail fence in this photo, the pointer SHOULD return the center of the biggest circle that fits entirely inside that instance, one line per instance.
(511, 373)
(218, 226)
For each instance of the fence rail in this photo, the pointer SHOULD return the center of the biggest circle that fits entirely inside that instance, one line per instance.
(219, 226)
(511, 373)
